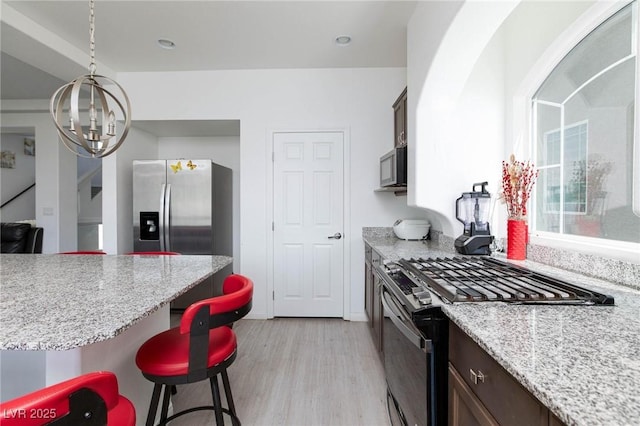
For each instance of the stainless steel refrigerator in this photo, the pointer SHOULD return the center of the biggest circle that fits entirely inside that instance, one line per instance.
(184, 206)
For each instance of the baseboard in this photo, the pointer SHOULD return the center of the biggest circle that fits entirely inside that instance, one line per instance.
(359, 316)
(257, 316)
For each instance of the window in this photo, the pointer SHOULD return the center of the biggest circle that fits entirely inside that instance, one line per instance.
(583, 125)
(572, 148)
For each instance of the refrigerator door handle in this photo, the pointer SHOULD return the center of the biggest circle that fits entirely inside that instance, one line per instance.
(162, 217)
(167, 218)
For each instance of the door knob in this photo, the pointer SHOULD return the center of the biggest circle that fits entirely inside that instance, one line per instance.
(335, 236)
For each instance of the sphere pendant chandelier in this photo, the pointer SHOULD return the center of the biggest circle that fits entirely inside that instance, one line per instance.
(88, 100)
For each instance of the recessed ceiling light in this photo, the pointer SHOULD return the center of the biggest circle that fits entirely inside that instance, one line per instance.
(343, 40)
(166, 44)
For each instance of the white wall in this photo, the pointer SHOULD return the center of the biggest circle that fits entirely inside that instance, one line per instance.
(13, 181)
(466, 95)
(56, 182)
(357, 100)
(89, 209)
(222, 150)
(459, 105)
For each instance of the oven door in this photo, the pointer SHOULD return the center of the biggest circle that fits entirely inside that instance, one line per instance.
(388, 169)
(406, 360)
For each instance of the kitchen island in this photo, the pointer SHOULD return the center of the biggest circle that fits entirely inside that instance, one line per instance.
(581, 362)
(65, 315)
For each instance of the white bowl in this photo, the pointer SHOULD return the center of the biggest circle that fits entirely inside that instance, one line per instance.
(411, 229)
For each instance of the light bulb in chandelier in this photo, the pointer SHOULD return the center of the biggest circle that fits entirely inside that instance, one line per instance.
(97, 138)
(111, 129)
(94, 135)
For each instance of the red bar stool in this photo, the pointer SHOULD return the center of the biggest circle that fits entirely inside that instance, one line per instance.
(87, 400)
(201, 348)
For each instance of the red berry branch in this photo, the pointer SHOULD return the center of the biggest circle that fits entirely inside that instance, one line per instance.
(518, 178)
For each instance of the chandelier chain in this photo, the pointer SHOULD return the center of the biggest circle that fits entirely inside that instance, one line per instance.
(97, 138)
(92, 40)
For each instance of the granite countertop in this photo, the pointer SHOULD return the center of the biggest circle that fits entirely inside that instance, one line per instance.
(582, 362)
(60, 302)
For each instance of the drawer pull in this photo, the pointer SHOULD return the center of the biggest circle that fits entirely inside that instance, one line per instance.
(476, 377)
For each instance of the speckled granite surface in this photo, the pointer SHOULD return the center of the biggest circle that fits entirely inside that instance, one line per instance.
(625, 273)
(583, 362)
(60, 302)
(392, 248)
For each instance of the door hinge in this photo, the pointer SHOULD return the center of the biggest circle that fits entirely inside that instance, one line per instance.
(273, 295)
(273, 157)
(273, 226)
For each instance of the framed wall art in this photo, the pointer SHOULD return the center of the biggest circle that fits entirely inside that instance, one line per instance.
(29, 146)
(8, 159)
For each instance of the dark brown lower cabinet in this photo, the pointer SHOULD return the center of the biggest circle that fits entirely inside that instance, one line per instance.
(481, 392)
(368, 284)
(372, 302)
(377, 316)
(465, 409)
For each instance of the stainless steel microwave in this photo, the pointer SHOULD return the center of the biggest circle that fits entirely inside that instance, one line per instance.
(393, 167)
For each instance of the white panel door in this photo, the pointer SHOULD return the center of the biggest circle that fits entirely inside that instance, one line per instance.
(308, 223)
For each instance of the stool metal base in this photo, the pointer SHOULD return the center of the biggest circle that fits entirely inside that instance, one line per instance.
(168, 389)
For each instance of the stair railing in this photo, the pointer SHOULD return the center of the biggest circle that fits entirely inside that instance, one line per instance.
(17, 195)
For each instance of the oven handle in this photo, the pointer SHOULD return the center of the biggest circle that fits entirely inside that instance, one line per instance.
(417, 340)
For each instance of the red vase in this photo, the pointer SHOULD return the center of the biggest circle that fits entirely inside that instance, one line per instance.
(517, 239)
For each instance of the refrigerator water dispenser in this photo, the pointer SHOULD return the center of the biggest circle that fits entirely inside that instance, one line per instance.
(149, 230)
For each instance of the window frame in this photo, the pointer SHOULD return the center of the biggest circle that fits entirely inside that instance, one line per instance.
(524, 114)
(561, 166)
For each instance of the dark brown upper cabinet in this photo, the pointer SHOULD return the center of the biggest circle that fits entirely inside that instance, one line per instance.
(400, 120)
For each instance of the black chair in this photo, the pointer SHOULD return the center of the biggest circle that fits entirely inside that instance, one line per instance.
(20, 238)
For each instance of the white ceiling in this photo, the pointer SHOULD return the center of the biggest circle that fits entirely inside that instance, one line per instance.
(191, 128)
(209, 35)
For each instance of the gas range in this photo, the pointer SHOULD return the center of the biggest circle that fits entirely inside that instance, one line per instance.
(480, 279)
(415, 329)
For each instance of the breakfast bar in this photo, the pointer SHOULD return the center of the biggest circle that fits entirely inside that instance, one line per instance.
(65, 315)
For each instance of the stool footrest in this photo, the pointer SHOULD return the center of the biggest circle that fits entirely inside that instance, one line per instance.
(235, 421)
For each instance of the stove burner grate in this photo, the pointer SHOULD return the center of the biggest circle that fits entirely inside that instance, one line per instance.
(477, 279)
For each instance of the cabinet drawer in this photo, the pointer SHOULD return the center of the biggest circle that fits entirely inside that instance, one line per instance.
(464, 407)
(507, 401)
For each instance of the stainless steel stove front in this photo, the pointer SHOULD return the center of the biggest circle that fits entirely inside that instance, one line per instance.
(415, 345)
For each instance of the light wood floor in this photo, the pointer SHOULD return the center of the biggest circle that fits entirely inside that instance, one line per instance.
(299, 372)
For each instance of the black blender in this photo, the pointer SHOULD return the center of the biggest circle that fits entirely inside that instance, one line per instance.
(475, 208)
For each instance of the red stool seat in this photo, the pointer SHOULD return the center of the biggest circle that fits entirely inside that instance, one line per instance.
(167, 353)
(69, 402)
